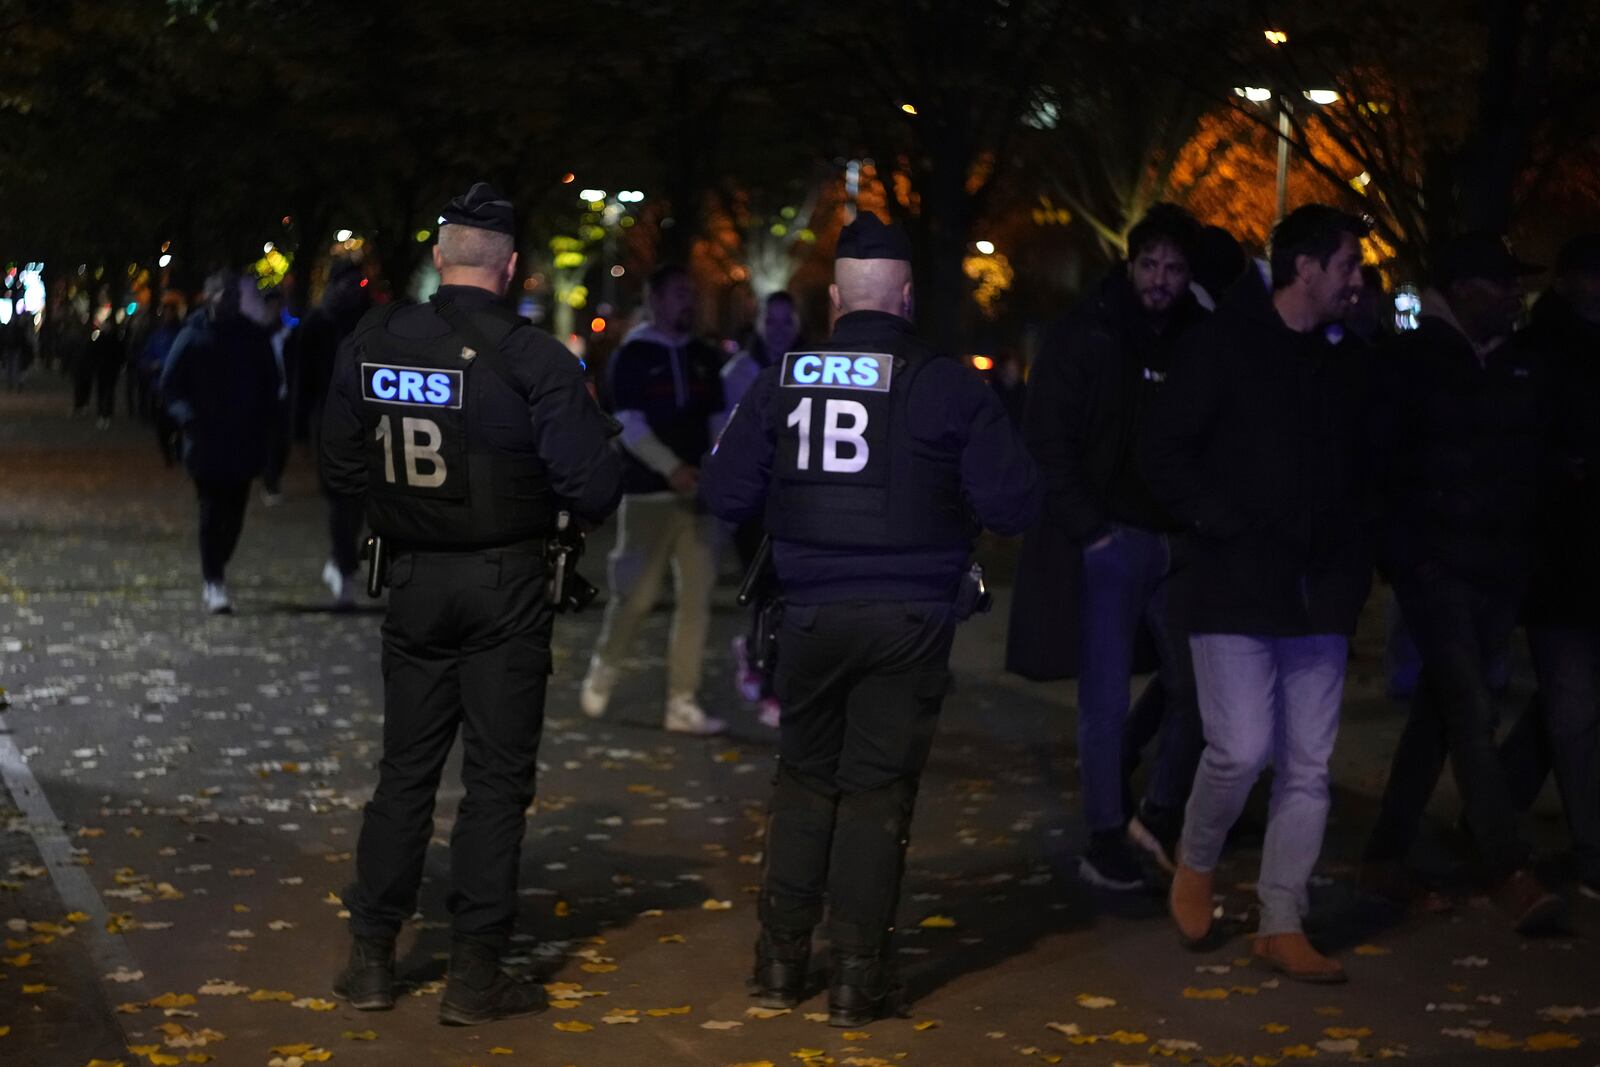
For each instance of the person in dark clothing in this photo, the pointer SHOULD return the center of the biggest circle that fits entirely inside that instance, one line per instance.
(1258, 446)
(152, 360)
(1563, 607)
(220, 386)
(1461, 420)
(1091, 391)
(106, 354)
(872, 460)
(317, 341)
(468, 433)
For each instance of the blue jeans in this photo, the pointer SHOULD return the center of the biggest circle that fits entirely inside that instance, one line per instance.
(1568, 665)
(1125, 584)
(1266, 699)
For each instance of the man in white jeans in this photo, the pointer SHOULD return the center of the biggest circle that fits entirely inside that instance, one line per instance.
(666, 388)
(1258, 445)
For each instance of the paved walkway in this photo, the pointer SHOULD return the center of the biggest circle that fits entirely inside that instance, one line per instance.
(200, 779)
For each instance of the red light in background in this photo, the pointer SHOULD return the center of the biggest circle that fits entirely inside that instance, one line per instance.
(568, 178)
(597, 325)
(363, 283)
(982, 363)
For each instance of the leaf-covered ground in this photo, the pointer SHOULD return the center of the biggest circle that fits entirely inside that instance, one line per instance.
(208, 775)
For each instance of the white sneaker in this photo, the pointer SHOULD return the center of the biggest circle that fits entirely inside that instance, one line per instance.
(340, 585)
(771, 713)
(685, 716)
(597, 686)
(215, 597)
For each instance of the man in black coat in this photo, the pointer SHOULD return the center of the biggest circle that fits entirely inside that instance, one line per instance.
(1258, 446)
(1090, 393)
(1461, 424)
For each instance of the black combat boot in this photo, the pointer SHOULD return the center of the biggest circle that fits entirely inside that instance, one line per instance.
(367, 981)
(859, 991)
(480, 992)
(781, 963)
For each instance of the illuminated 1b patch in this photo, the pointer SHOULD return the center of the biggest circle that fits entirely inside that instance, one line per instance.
(867, 371)
(384, 384)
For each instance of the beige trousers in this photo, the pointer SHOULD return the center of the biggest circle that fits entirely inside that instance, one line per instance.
(661, 531)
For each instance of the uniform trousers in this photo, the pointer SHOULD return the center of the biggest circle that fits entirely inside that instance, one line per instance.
(861, 686)
(466, 647)
(663, 531)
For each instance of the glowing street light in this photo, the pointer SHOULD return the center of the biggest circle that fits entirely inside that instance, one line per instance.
(985, 247)
(1276, 37)
(1252, 93)
(165, 260)
(909, 109)
(1322, 97)
(630, 196)
(343, 235)
(267, 248)
(592, 195)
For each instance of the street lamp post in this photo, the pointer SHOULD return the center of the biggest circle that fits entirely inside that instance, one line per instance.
(1256, 95)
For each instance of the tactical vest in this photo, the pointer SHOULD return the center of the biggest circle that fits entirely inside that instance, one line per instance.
(432, 481)
(847, 473)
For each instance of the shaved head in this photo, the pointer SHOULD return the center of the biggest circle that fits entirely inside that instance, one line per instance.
(469, 246)
(872, 285)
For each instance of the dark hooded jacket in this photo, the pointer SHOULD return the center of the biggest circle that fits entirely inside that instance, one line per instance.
(1258, 445)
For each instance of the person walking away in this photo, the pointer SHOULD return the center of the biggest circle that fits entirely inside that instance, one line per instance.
(667, 392)
(465, 431)
(219, 387)
(1462, 420)
(777, 333)
(344, 301)
(1091, 392)
(874, 462)
(1258, 445)
(278, 330)
(106, 355)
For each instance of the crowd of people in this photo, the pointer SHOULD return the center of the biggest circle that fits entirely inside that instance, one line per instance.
(1226, 466)
(1230, 449)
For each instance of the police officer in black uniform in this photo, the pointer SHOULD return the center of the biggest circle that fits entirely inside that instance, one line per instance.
(468, 430)
(873, 461)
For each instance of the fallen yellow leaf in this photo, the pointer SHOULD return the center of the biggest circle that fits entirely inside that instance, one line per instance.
(937, 922)
(598, 968)
(501, 1050)
(717, 905)
(173, 1000)
(161, 1059)
(105, 1063)
(1089, 1000)
(1372, 950)
(562, 909)
(36, 988)
(1299, 1052)
(360, 1035)
(197, 1057)
(926, 1024)
(754, 1063)
(1126, 1037)
(293, 1050)
(1551, 1040)
(1339, 1033)
(660, 1012)
(855, 1035)
(1274, 1028)
(573, 1027)
(262, 995)
(671, 939)
(1211, 993)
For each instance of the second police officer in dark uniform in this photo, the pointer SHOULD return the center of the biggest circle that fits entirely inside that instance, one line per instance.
(468, 430)
(874, 462)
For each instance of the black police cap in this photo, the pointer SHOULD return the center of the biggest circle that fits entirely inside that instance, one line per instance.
(481, 206)
(869, 237)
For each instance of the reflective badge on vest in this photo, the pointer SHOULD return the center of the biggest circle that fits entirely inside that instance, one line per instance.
(836, 417)
(408, 385)
(420, 451)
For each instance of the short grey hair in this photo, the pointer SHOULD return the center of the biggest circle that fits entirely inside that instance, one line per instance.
(472, 246)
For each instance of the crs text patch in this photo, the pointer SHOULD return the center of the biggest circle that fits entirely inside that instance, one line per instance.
(868, 371)
(410, 385)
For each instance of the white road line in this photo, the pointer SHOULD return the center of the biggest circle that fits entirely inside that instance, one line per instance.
(109, 952)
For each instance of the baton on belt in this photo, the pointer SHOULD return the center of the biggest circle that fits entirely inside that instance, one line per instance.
(758, 569)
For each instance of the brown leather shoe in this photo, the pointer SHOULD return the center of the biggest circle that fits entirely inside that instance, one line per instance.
(1394, 884)
(1533, 908)
(1292, 955)
(1189, 901)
